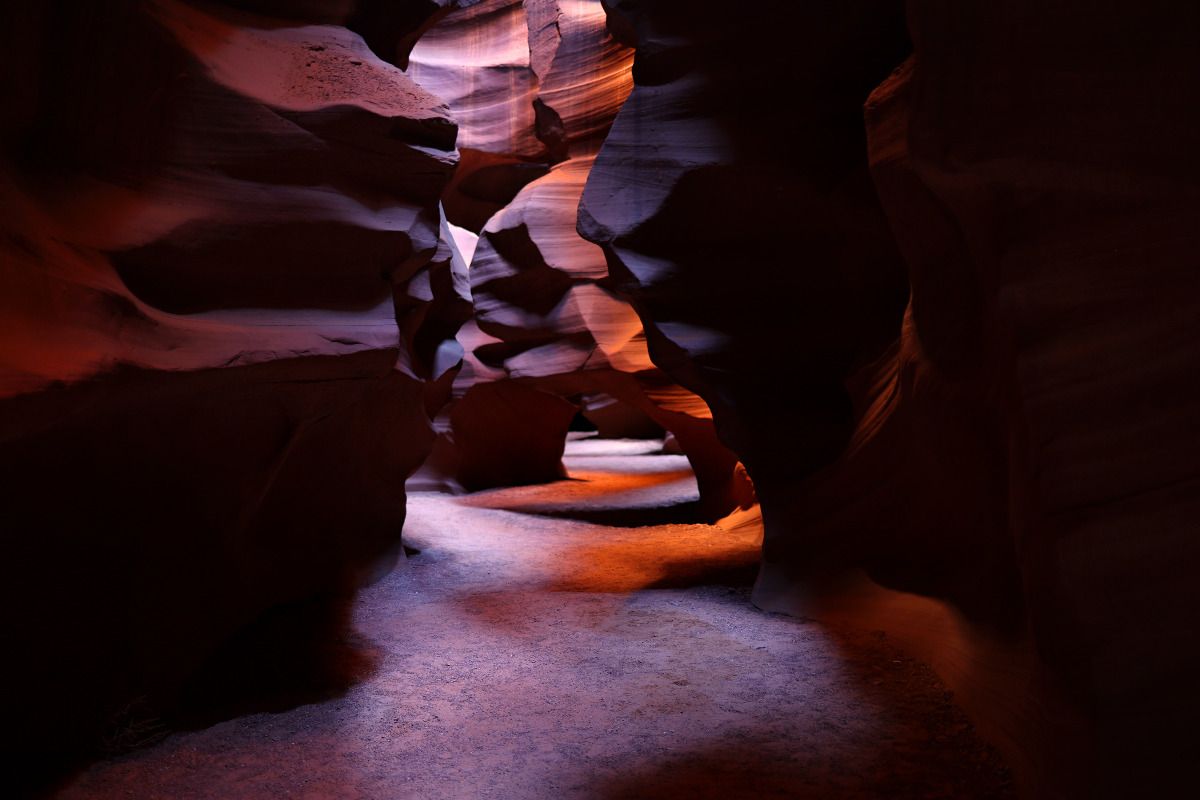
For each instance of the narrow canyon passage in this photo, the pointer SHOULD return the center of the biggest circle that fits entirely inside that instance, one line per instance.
(540, 645)
(883, 318)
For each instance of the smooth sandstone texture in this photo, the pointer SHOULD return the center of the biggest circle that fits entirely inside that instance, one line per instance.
(213, 223)
(1022, 447)
(729, 242)
(725, 239)
(535, 86)
(530, 81)
(544, 294)
(737, 222)
(1028, 161)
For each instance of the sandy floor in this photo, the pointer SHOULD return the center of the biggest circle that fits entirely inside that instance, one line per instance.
(540, 647)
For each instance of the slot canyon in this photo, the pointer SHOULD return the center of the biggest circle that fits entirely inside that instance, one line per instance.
(600, 399)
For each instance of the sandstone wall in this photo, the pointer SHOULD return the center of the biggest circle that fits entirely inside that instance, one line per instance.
(1007, 459)
(536, 85)
(213, 222)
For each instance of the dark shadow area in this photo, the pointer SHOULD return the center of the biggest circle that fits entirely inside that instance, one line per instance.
(272, 265)
(928, 749)
(581, 424)
(737, 772)
(305, 652)
(292, 655)
(43, 775)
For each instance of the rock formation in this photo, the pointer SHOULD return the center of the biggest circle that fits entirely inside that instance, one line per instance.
(1028, 161)
(535, 86)
(1020, 449)
(529, 81)
(213, 222)
(946, 319)
(692, 187)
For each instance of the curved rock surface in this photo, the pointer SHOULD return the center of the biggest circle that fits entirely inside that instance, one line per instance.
(1021, 448)
(730, 243)
(530, 81)
(542, 82)
(1046, 212)
(213, 222)
(692, 187)
(542, 293)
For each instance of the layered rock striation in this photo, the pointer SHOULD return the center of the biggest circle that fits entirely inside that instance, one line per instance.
(535, 86)
(215, 221)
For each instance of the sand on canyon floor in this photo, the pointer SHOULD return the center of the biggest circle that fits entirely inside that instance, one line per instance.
(540, 645)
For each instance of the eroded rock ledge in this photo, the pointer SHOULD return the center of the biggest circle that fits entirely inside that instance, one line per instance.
(213, 221)
(535, 86)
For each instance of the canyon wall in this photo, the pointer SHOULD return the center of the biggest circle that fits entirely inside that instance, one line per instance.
(929, 266)
(535, 86)
(745, 227)
(1016, 444)
(214, 221)
(1031, 163)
